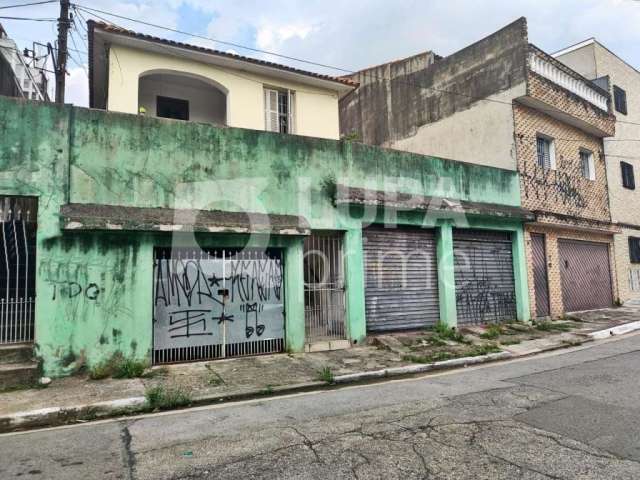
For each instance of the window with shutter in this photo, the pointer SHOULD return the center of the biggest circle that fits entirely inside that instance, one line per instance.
(634, 250)
(620, 99)
(279, 110)
(271, 110)
(587, 165)
(546, 152)
(628, 177)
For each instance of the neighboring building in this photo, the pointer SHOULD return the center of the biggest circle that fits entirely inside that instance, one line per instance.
(596, 62)
(503, 102)
(134, 73)
(20, 77)
(175, 241)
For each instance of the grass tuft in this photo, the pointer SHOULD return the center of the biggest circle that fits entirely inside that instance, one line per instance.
(119, 367)
(162, 398)
(548, 326)
(326, 375)
(492, 331)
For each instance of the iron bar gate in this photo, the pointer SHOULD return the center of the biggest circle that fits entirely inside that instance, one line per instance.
(17, 269)
(324, 310)
(217, 303)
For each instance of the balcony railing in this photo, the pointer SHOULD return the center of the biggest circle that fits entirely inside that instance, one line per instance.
(549, 68)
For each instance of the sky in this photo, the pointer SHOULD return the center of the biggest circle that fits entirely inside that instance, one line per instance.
(347, 34)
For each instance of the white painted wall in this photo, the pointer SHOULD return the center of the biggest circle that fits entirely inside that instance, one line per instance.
(482, 134)
(206, 103)
(316, 109)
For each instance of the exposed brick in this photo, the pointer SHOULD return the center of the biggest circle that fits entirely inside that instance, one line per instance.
(565, 202)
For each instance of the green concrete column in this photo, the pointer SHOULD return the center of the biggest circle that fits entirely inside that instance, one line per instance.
(520, 275)
(294, 295)
(446, 277)
(354, 278)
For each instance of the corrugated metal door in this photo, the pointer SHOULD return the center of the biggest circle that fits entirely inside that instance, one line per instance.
(586, 275)
(485, 286)
(401, 279)
(540, 277)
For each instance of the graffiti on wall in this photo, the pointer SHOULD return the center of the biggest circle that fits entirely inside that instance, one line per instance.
(559, 186)
(484, 285)
(204, 301)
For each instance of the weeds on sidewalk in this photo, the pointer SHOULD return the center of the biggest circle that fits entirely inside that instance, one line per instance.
(439, 356)
(326, 375)
(161, 398)
(443, 333)
(118, 366)
(548, 326)
(492, 331)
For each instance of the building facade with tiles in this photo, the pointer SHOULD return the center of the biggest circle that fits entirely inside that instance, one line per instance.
(596, 62)
(519, 108)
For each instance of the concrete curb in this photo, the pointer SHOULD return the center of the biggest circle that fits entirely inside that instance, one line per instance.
(421, 368)
(55, 416)
(619, 330)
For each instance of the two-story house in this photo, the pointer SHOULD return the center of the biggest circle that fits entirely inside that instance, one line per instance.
(504, 102)
(134, 73)
(596, 62)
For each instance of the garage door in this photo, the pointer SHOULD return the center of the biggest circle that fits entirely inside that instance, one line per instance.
(216, 303)
(401, 279)
(586, 275)
(485, 286)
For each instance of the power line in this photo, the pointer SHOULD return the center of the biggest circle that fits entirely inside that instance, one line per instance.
(30, 19)
(27, 4)
(91, 11)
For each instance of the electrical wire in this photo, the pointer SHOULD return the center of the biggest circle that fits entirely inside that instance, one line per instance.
(30, 19)
(4, 7)
(91, 11)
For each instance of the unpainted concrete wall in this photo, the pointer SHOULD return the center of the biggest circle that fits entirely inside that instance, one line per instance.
(397, 105)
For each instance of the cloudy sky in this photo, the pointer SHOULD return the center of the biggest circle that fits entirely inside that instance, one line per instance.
(349, 35)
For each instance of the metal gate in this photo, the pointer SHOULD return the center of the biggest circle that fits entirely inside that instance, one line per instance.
(585, 274)
(485, 286)
(540, 276)
(217, 303)
(401, 279)
(324, 312)
(17, 268)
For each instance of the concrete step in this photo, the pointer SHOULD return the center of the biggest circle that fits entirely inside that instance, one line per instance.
(16, 353)
(17, 375)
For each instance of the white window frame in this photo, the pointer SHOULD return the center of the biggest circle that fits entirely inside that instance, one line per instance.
(591, 164)
(270, 114)
(552, 151)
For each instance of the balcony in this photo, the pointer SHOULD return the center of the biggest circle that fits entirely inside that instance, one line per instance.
(556, 90)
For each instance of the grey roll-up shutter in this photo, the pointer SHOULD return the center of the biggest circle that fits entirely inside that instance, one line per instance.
(401, 279)
(585, 274)
(485, 285)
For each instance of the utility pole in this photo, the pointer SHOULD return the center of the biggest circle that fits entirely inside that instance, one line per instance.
(61, 65)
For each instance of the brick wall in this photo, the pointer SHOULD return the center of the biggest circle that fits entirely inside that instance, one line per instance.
(552, 234)
(562, 191)
(554, 95)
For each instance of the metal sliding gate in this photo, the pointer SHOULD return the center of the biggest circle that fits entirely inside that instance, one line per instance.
(217, 303)
(17, 269)
(324, 310)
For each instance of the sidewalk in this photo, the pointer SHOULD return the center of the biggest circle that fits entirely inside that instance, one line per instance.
(77, 398)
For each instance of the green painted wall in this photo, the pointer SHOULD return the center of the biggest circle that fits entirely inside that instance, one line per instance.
(65, 154)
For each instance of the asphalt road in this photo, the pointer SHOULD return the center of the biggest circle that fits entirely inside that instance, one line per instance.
(569, 415)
